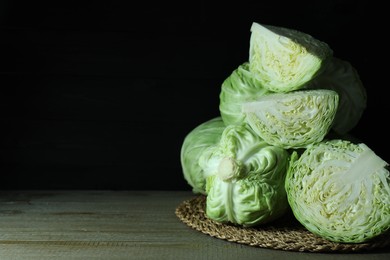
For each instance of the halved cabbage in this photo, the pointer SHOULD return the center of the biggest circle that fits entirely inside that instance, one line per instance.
(340, 191)
(244, 178)
(284, 59)
(292, 120)
(241, 86)
(195, 142)
(340, 76)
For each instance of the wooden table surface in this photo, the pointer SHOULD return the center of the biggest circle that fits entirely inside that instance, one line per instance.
(95, 224)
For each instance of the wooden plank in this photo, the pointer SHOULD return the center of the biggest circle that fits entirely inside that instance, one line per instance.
(76, 224)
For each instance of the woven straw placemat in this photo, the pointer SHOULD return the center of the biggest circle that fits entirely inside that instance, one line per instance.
(284, 234)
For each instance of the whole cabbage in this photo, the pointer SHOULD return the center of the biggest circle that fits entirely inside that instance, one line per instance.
(195, 142)
(244, 178)
(340, 76)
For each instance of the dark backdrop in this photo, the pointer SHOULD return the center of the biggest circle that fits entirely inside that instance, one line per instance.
(100, 95)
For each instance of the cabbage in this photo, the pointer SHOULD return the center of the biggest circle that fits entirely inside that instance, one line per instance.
(244, 178)
(195, 142)
(241, 86)
(340, 191)
(340, 76)
(284, 59)
(292, 120)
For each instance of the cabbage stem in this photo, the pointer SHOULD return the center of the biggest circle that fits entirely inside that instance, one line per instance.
(229, 169)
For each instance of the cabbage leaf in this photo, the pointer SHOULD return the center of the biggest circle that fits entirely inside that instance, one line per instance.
(241, 86)
(340, 76)
(195, 143)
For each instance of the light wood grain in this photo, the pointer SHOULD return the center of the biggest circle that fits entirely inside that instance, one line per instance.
(117, 225)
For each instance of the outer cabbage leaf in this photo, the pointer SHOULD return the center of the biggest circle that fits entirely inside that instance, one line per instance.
(342, 77)
(285, 59)
(241, 86)
(195, 143)
(245, 178)
(340, 191)
(292, 120)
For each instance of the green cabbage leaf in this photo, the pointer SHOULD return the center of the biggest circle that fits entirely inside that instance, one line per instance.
(340, 76)
(195, 143)
(340, 191)
(241, 86)
(244, 178)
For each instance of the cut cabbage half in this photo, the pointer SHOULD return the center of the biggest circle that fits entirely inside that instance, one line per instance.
(340, 190)
(285, 59)
(292, 120)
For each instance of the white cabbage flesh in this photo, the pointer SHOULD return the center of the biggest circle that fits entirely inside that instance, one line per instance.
(292, 120)
(285, 59)
(340, 190)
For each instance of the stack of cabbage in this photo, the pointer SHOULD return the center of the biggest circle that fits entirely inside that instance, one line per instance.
(280, 143)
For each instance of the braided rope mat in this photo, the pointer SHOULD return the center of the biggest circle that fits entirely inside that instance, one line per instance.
(285, 234)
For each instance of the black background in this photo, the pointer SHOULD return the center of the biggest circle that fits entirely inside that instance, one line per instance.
(100, 95)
